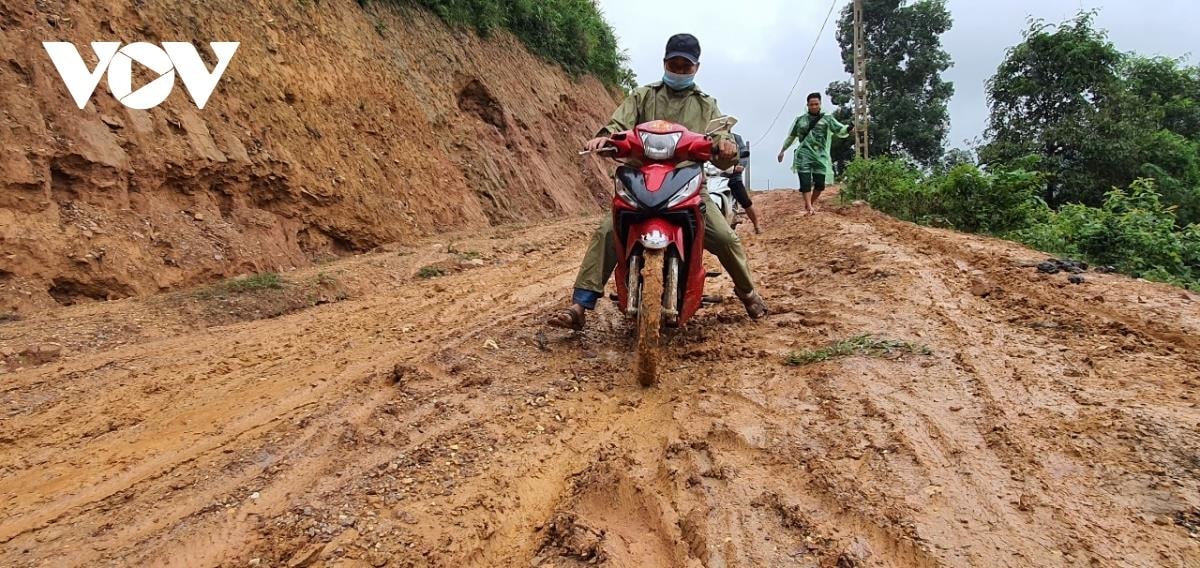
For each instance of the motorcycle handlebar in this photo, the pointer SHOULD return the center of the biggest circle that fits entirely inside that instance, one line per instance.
(713, 149)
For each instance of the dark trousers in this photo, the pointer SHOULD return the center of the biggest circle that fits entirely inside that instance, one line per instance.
(810, 180)
(738, 187)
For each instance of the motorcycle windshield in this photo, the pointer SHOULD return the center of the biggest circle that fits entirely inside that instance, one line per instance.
(635, 181)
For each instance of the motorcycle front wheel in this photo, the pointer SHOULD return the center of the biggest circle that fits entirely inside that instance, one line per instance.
(649, 322)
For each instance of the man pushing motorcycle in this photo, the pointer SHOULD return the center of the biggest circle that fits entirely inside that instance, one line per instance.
(675, 99)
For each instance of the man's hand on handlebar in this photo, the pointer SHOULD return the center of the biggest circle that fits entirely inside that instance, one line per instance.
(595, 144)
(727, 150)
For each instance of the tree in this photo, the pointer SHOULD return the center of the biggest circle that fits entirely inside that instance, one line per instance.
(1046, 101)
(842, 149)
(905, 61)
(1068, 103)
(956, 157)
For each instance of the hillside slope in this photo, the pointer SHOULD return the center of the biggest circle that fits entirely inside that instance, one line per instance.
(334, 129)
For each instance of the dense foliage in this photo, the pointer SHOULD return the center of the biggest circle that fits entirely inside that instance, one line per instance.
(1069, 104)
(571, 33)
(1132, 230)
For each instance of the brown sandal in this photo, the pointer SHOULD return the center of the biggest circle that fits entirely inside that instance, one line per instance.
(755, 306)
(568, 318)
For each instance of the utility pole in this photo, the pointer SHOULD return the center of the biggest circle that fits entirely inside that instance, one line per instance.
(861, 110)
(746, 174)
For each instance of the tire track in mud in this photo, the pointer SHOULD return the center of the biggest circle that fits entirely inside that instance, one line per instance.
(153, 470)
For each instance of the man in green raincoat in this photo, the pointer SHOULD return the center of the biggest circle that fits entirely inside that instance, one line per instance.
(815, 131)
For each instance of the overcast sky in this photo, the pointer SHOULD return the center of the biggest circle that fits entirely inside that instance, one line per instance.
(753, 49)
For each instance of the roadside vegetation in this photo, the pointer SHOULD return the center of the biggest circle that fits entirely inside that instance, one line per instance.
(1090, 152)
(570, 33)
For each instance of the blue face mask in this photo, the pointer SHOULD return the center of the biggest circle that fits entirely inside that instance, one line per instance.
(678, 82)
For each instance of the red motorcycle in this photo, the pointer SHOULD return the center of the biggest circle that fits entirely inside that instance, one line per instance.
(658, 225)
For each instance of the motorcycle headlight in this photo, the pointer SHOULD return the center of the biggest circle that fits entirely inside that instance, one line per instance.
(693, 187)
(623, 192)
(660, 146)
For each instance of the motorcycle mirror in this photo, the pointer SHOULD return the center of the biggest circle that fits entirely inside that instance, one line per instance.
(721, 124)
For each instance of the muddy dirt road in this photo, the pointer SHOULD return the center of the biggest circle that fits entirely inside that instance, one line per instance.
(407, 421)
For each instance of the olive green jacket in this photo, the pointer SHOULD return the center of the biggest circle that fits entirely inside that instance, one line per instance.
(691, 107)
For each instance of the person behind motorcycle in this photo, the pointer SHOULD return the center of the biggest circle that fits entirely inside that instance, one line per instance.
(815, 132)
(675, 99)
(738, 186)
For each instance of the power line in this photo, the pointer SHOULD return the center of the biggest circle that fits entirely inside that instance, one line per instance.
(811, 50)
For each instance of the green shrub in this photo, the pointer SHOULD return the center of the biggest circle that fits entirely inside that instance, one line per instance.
(571, 33)
(970, 200)
(1133, 230)
(891, 186)
(963, 198)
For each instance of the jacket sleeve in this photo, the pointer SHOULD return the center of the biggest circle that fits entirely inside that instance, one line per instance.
(714, 113)
(838, 129)
(791, 137)
(626, 115)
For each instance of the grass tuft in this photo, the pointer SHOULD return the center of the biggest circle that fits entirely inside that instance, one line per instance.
(431, 271)
(866, 344)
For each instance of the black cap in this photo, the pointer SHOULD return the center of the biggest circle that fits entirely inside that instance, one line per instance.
(683, 45)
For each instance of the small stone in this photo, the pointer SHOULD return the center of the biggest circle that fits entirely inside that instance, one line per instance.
(378, 559)
(491, 344)
(405, 517)
(1048, 267)
(198, 216)
(981, 288)
(112, 121)
(43, 353)
(254, 495)
(306, 556)
(1076, 279)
